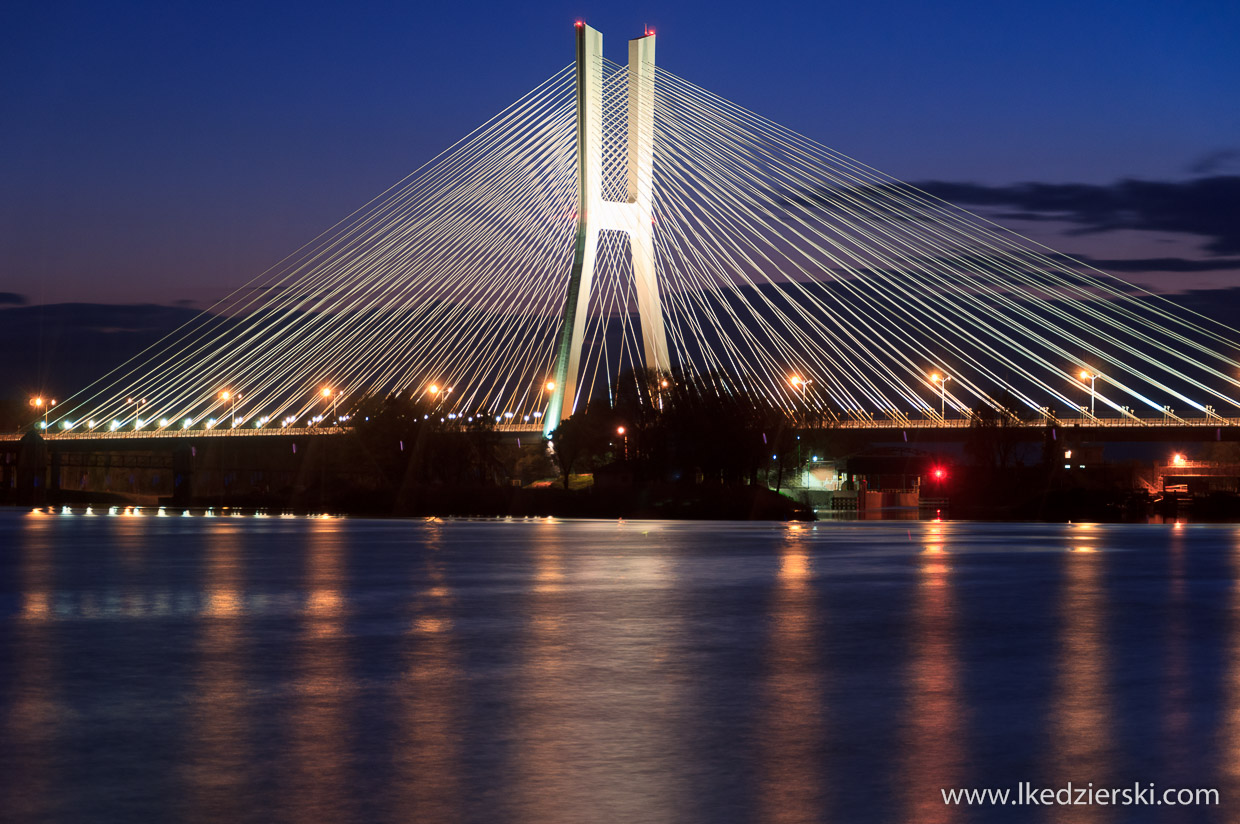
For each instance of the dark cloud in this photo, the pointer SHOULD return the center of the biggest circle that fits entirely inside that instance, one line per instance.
(1219, 305)
(1215, 161)
(185, 302)
(1204, 206)
(1163, 264)
(12, 299)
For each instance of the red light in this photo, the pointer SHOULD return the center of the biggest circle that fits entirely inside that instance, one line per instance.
(579, 24)
(939, 473)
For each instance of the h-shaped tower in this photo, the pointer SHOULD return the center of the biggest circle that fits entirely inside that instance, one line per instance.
(634, 215)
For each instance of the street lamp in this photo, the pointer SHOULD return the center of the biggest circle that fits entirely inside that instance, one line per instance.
(624, 441)
(663, 384)
(801, 385)
(231, 397)
(941, 380)
(42, 404)
(138, 403)
(330, 395)
(1091, 377)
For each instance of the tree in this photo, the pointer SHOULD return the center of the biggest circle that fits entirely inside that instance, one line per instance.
(994, 439)
(581, 439)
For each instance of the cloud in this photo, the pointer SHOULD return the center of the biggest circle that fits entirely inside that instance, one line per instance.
(1204, 206)
(12, 299)
(1214, 161)
(1220, 305)
(1163, 264)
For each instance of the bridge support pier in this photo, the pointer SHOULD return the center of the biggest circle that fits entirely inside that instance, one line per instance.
(634, 216)
(32, 465)
(183, 475)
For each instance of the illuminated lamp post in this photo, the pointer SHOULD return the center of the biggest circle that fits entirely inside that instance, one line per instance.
(230, 397)
(1092, 377)
(941, 380)
(43, 405)
(332, 397)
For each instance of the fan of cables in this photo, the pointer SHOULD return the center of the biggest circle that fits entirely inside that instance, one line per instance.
(804, 276)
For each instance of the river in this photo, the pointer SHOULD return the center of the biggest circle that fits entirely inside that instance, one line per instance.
(268, 669)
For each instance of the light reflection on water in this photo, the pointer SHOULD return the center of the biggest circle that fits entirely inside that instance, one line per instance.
(792, 731)
(242, 669)
(315, 788)
(219, 749)
(599, 703)
(32, 716)
(1229, 758)
(932, 754)
(428, 750)
(1082, 707)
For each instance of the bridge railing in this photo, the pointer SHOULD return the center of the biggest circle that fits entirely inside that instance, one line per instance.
(1037, 423)
(526, 428)
(230, 432)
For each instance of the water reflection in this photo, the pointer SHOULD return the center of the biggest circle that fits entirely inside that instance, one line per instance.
(598, 695)
(1176, 698)
(318, 783)
(933, 749)
(219, 747)
(1229, 757)
(1081, 708)
(792, 781)
(33, 718)
(545, 751)
(428, 749)
(569, 672)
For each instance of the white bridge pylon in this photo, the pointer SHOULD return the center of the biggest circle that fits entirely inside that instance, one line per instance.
(634, 215)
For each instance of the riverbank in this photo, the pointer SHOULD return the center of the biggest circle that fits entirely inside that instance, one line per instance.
(669, 502)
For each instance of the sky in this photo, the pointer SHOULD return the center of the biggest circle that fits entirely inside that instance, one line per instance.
(169, 152)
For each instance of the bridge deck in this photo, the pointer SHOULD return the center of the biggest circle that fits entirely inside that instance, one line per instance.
(1147, 426)
(174, 434)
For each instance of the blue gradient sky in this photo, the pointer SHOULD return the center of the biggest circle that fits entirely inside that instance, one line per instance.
(159, 152)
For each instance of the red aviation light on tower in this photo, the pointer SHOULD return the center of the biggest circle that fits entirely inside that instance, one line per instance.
(939, 474)
(579, 24)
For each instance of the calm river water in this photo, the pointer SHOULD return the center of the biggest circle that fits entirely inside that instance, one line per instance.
(234, 669)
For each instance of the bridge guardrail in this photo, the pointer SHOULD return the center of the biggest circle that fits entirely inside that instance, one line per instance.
(238, 432)
(955, 423)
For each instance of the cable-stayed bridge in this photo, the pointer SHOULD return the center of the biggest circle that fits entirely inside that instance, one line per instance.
(618, 222)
